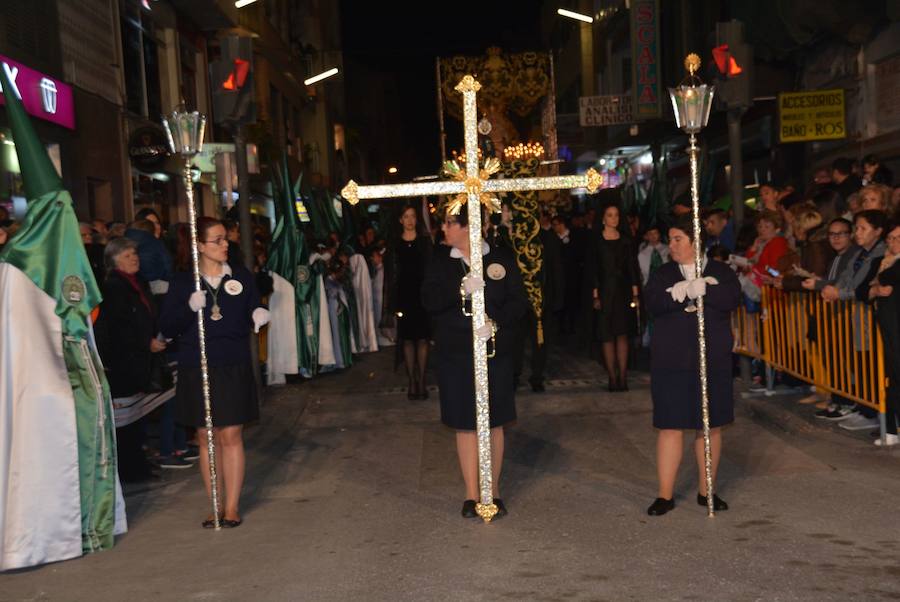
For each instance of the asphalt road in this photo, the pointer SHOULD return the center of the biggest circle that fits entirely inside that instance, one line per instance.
(353, 493)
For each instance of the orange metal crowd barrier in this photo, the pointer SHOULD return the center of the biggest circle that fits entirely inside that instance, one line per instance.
(835, 346)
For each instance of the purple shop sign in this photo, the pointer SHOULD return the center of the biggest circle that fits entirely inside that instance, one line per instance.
(42, 96)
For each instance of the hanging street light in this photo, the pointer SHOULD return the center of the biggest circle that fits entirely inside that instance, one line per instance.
(320, 77)
(573, 15)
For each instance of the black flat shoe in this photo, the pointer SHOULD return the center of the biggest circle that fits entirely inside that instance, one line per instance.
(231, 524)
(718, 503)
(468, 509)
(660, 506)
(501, 509)
(210, 523)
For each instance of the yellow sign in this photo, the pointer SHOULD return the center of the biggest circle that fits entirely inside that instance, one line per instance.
(817, 115)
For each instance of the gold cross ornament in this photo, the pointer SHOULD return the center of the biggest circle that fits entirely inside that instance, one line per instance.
(476, 188)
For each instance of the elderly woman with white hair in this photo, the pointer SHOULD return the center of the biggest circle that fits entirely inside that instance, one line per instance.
(126, 337)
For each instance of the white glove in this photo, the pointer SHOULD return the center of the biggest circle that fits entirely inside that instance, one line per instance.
(697, 287)
(679, 290)
(260, 318)
(472, 283)
(197, 301)
(485, 331)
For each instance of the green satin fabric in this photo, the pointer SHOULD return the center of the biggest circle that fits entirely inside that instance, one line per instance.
(48, 249)
(96, 445)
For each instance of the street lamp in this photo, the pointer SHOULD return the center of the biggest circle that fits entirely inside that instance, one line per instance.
(184, 132)
(573, 15)
(691, 101)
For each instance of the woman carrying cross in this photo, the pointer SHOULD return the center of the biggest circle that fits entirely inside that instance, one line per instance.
(446, 295)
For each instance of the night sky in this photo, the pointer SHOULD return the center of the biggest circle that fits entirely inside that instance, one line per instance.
(400, 41)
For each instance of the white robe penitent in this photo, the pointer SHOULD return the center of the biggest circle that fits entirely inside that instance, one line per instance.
(365, 314)
(40, 502)
(282, 355)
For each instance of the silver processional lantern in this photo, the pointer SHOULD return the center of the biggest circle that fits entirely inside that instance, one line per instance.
(691, 102)
(184, 132)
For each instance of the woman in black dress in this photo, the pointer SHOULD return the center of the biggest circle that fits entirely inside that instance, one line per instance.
(613, 280)
(411, 255)
(505, 305)
(126, 337)
(674, 359)
(231, 307)
(884, 291)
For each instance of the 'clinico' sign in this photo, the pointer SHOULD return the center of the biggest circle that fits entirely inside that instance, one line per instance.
(815, 115)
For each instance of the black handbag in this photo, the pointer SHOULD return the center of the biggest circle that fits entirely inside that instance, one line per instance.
(161, 376)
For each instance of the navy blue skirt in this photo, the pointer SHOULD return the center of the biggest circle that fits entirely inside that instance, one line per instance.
(456, 381)
(676, 399)
(232, 393)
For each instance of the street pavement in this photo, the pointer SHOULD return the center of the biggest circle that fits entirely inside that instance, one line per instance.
(353, 493)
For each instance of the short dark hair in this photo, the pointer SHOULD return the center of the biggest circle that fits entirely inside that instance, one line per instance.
(717, 212)
(461, 218)
(875, 218)
(229, 224)
(870, 160)
(841, 220)
(842, 165)
(685, 223)
(146, 212)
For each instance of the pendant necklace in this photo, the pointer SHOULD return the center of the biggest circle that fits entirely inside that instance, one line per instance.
(216, 312)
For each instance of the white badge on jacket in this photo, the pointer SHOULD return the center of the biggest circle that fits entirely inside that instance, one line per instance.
(234, 287)
(495, 271)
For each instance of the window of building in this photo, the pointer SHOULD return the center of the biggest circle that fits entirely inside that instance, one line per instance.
(141, 60)
(188, 59)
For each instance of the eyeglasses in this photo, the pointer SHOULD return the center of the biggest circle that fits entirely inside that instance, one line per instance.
(839, 234)
(216, 241)
(895, 238)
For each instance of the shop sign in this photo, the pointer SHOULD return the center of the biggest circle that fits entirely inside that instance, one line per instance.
(148, 148)
(612, 109)
(645, 58)
(42, 96)
(816, 115)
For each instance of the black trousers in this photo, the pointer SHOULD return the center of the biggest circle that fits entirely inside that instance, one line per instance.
(528, 336)
(892, 371)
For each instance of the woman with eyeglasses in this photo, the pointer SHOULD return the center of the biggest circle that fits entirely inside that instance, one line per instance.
(446, 294)
(231, 307)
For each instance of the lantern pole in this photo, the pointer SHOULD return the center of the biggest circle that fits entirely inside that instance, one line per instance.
(184, 131)
(692, 101)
